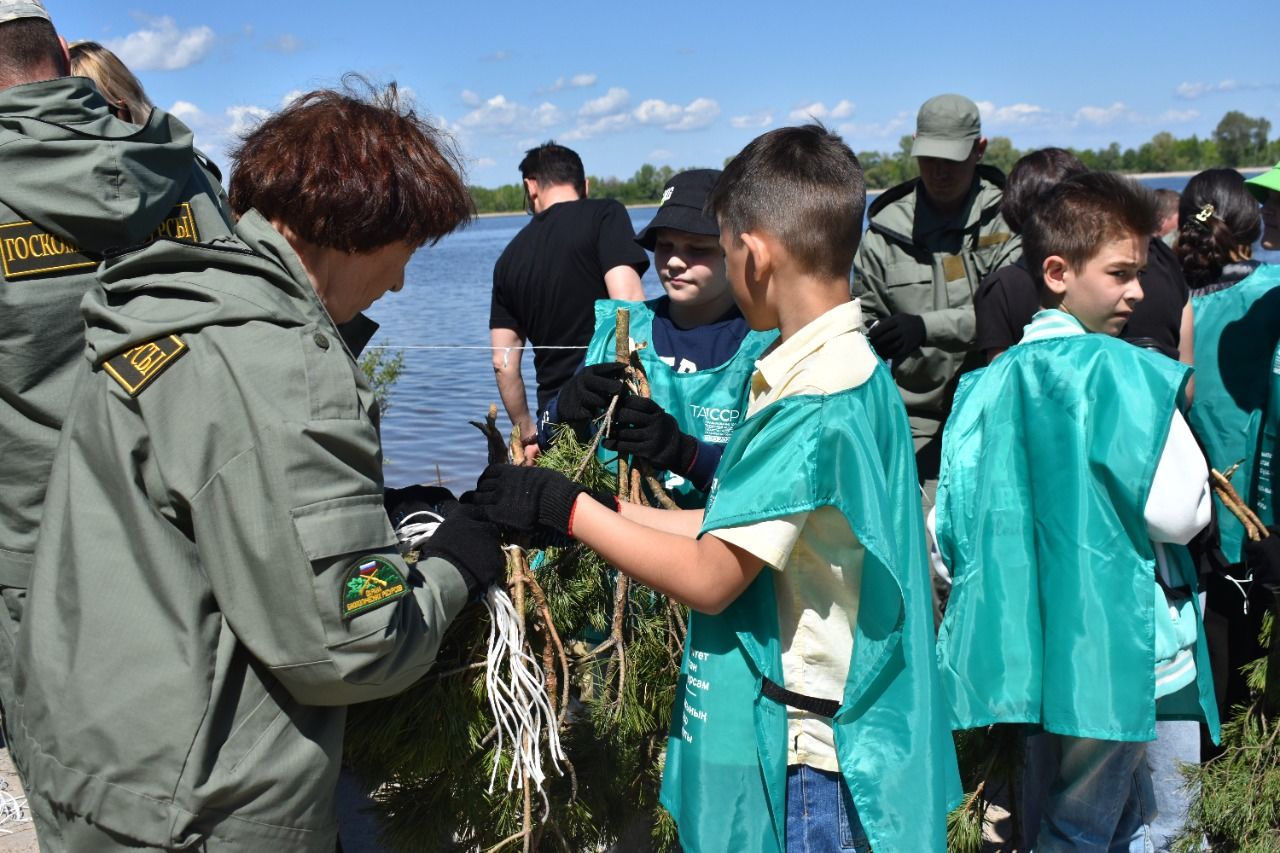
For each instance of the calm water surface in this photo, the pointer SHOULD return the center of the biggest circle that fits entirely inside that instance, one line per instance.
(445, 304)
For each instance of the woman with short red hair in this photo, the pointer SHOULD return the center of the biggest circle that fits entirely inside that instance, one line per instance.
(217, 577)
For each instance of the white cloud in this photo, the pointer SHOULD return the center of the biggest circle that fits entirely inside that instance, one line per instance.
(1019, 114)
(577, 81)
(470, 98)
(245, 118)
(1105, 115)
(896, 126)
(759, 118)
(600, 127)
(1191, 91)
(161, 46)
(484, 162)
(287, 43)
(496, 56)
(609, 103)
(658, 112)
(818, 110)
(699, 113)
(187, 112)
(290, 96)
(660, 155)
(1179, 116)
(500, 115)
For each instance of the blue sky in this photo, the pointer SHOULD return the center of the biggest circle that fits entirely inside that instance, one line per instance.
(690, 83)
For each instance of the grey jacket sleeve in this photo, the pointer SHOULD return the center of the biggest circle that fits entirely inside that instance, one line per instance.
(869, 279)
(283, 530)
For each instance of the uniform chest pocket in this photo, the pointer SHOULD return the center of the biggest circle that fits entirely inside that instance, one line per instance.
(910, 288)
(332, 388)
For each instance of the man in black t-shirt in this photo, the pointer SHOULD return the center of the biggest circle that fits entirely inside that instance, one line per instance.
(574, 251)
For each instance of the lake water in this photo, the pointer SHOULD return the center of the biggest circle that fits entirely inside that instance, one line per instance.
(441, 323)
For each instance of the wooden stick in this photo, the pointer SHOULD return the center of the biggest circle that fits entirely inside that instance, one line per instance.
(517, 446)
(493, 438)
(1231, 499)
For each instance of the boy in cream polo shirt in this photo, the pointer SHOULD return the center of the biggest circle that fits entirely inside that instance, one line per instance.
(809, 715)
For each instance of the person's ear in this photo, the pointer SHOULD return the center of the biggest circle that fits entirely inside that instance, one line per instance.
(759, 255)
(66, 55)
(586, 187)
(1055, 270)
(980, 147)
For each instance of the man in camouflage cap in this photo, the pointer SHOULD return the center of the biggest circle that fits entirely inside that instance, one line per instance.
(930, 242)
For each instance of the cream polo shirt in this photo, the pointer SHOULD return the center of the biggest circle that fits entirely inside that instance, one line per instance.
(816, 555)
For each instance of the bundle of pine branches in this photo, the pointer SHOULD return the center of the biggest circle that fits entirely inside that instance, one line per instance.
(611, 650)
(1237, 804)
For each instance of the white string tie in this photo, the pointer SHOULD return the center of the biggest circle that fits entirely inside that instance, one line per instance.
(12, 809)
(514, 680)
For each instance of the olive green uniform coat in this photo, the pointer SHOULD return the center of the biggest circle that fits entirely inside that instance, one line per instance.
(74, 183)
(914, 261)
(189, 651)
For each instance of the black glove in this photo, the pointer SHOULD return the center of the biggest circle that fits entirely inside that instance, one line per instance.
(1263, 558)
(641, 428)
(587, 394)
(897, 335)
(401, 503)
(530, 500)
(469, 543)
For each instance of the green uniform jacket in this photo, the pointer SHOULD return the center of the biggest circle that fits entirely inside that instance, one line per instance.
(1047, 464)
(1236, 329)
(912, 261)
(76, 182)
(190, 647)
(726, 771)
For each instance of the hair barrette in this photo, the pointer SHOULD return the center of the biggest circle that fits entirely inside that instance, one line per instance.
(1206, 213)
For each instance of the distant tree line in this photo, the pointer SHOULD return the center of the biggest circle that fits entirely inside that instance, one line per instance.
(1238, 141)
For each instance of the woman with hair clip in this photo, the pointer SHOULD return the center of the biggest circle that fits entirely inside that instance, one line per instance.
(123, 91)
(1236, 302)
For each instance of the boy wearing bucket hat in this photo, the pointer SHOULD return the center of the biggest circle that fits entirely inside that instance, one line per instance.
(699, 357)
(929, 244)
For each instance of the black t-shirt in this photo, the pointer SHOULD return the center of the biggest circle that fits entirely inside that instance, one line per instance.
(700, 348)
(1007, 299)
(548, 278)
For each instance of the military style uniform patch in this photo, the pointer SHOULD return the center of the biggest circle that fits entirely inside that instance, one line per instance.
(371, 582)
(28, 250)
(134, 369)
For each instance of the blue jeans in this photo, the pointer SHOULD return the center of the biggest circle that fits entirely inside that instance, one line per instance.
(1098, 797)
(1177, 743)
(821, 816)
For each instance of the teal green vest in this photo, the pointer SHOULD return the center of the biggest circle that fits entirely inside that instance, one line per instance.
(1047, 462)
(1236, 331)
(707, 404)
(725, 776)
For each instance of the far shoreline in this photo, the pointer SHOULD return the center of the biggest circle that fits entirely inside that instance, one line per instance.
(1141, 176)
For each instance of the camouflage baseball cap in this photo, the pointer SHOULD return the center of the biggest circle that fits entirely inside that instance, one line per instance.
(12, 10)
(946, 127)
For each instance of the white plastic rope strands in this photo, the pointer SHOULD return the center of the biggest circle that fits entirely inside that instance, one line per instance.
(518, 701)
(514, 680)
(12, 809)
